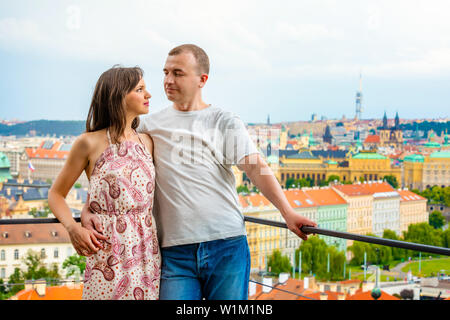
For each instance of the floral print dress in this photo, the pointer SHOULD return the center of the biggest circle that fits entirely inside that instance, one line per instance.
(121, 193)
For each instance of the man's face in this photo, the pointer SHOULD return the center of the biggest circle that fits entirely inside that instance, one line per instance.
(181, 81)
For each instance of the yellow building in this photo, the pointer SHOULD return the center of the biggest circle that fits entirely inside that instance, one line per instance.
(436, 170)
(425, 172)
(371, 166)
(413, 209)
(262, 239)
(367, 166)
(238, 175)
(413, 171)
(360, 204)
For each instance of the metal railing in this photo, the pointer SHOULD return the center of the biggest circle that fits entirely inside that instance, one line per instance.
(305, 229)
(357, 237)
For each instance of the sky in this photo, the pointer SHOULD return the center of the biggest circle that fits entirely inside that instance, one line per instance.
(289, 59)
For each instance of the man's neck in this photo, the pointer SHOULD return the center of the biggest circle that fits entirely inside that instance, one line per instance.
(194, 105)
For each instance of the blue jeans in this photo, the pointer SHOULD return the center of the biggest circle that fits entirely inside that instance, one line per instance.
(214, 270)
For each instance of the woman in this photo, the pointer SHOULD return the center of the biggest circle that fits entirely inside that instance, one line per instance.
(125, 262)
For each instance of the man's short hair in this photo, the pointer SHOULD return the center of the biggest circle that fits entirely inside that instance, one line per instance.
(199, 54)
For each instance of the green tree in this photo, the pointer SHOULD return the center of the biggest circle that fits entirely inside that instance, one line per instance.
(304, 182)
(290, 183)
(397, 253)
(33, 212)
(337, 259)
(446, 238)
(35, 269)
(423, 233)
(242, 189)
(18, 280)
(77, 185)
(436, 219)
(358, 249)
(436, 195)
(392, 180)
(314, 256)
(75, 263)
(279, 263)
(332, 178)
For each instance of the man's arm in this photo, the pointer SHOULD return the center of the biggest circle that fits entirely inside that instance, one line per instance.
(262, 177)
(92, 222)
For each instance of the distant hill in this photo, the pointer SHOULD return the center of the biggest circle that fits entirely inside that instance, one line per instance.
(43, 128)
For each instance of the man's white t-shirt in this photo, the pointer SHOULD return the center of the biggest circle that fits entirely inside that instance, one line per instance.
(195, 194)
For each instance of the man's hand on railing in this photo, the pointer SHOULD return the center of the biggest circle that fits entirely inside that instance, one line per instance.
(295, 221)
(91, 222)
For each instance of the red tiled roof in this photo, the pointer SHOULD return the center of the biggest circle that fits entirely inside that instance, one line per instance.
(352, 190)
(39, 233)
(377, 187)
(360, 295)
(42, 153)
(296, 198)
(294, 195)
(291, 285)
(372, 138)
(254, 200)
(325, 197)
(53, 293)
(406, 195)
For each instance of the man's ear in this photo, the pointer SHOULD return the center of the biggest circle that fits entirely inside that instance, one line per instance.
(203, 79)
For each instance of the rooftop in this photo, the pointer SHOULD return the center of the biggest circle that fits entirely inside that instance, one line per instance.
(369, 155)
(440, 155)
(325, 197)
(73, 292)
(414, 158)
(33, 233)
(352, 190)
(406, 195)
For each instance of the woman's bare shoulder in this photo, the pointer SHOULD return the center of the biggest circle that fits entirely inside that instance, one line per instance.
(89, 140)
(147, 140)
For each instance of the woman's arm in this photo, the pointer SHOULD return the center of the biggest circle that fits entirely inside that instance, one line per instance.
(83, 240)
(148, 142)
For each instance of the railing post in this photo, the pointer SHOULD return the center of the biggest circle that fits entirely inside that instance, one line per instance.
(365, 265)
(300, 265)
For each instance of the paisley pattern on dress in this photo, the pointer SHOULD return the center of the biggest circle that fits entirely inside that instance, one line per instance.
(121, 194)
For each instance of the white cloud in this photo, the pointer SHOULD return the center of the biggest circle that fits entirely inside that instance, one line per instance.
(321, 37)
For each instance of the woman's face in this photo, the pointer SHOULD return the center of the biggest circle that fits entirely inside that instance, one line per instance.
(136, 100)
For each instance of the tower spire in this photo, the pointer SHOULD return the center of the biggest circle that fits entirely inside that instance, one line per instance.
(358, 99)
(385, 122)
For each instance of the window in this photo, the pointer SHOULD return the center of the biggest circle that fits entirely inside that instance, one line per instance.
(16, 254)
(56, 253)
(43, 253)
(2, 255)
(3, 273)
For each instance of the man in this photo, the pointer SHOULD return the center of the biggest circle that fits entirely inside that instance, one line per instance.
(201, 229)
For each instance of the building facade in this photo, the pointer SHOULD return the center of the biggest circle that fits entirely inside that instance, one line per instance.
(51, 241)
(413, 209)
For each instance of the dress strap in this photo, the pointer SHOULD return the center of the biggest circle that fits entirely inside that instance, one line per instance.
(109, 136)
(143, 144)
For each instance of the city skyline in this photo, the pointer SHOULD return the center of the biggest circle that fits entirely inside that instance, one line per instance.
(302, 58)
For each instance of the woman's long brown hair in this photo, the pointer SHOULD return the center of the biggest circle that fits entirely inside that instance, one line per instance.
(108, 101)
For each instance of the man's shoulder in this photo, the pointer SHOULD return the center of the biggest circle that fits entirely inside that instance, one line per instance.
(224, 116)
